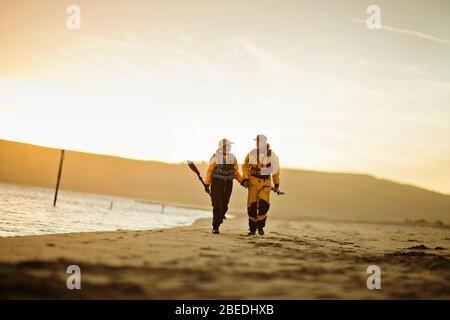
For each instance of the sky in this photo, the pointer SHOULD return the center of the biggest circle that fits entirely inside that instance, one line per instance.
(165, 80)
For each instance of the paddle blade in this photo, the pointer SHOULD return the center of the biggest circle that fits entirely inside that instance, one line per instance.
(193, 167)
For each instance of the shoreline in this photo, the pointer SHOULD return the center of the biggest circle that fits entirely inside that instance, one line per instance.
(103, 231)
(294, 260)
(238, 215)
(406, 223)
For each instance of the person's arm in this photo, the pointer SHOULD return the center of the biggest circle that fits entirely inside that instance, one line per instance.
(237, 175)
(211, 168)
(245, 170)
(276, 172)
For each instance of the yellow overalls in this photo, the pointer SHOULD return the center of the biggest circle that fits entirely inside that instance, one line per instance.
(260, 170)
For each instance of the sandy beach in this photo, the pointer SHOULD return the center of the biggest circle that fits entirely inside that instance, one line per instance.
(304, 259)
(320, 238)
(128, 129)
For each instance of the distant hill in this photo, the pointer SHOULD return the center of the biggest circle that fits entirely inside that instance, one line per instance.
(309, 193)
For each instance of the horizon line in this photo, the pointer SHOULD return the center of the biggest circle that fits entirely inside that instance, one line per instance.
(206, 161)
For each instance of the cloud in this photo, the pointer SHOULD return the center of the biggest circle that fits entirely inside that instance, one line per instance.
(360, 89)
(267, 62)
(413, 33)
(393, 68)
(183, 37)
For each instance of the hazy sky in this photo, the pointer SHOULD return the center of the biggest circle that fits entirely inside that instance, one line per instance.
(165, 80)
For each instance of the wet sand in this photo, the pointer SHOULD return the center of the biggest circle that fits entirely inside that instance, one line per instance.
(304, 259)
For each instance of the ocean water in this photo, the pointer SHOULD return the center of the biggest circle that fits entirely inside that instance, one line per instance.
(29, 211)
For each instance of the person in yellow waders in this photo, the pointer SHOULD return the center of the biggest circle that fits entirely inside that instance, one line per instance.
(223, 169)
(260, 167)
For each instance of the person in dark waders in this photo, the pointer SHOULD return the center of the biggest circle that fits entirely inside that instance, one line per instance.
(223, 169)
(260, 167)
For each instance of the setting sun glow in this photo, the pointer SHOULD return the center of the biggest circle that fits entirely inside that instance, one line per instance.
(163, 81)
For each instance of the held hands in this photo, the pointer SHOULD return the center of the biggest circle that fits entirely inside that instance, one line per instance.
(244, 183)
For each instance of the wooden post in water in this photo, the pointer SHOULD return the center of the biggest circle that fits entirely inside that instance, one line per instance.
(59, 176)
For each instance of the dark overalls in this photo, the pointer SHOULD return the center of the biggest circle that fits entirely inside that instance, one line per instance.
(221, 188)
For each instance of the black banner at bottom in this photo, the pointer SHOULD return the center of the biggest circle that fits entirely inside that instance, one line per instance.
(227, 309)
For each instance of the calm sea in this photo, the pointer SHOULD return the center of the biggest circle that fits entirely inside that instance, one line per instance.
(29, 211)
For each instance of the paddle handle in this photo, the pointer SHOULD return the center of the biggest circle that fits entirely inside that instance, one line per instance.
(194, 168)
